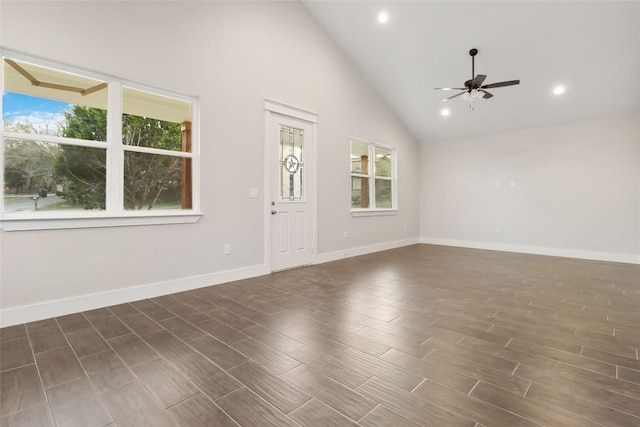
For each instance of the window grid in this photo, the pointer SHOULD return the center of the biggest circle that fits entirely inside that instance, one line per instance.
(113, 146)
(365, 174)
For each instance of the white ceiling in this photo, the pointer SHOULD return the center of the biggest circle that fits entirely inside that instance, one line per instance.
(593, 48)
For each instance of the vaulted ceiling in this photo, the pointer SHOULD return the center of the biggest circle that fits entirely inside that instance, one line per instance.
(591, 48)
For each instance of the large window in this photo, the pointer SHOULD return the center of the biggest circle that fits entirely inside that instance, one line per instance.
(372, 176)
(80, 145)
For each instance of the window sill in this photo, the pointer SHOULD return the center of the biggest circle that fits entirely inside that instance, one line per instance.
(97, 220)
(373, 212)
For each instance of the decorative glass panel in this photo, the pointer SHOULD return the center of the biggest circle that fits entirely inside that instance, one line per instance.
(45, 176)
(152, 181)
(383, 194)
(291, 164)
(359, 158)
(359, 192)
(383, 162)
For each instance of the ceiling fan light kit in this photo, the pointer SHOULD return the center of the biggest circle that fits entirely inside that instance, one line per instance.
(474, 89)
(472, 95)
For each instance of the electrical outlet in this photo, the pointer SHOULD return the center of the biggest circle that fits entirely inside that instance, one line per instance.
(497, 230)
(346, 234)
(227, 249)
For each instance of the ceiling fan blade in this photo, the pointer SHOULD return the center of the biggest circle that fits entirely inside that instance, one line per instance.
(487, 95)
(449, 88)
(478, 80)
(501, 84)
(454, 96)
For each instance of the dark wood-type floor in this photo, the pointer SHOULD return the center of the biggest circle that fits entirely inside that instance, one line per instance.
(417, 336)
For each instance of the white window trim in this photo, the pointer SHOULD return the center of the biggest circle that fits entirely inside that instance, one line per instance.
(373, 212)
(114, 215)
(393, 178)
(52, 223)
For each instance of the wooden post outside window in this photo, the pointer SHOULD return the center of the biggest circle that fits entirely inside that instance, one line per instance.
(364, 185)
(186, 166)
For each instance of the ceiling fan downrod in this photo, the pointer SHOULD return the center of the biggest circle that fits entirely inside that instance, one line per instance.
(473, 53)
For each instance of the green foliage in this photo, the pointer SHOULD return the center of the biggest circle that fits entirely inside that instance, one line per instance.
(82, 172)
(152, 133)
(83, 169)
(383, 165)
(28, 165)
(14, 177)
(147, 176)
(85, 123)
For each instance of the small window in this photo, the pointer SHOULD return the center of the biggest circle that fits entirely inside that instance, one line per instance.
(372, 176)
(74, 142)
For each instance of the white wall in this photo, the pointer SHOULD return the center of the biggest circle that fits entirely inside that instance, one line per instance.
(232, 55)
(577, 190)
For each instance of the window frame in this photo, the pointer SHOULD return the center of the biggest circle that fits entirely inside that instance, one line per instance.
(372, 210)
(114, 213)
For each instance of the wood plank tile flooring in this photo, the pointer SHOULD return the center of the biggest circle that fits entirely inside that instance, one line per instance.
(418, 336)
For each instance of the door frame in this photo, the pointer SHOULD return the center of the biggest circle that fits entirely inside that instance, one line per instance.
(276, 108)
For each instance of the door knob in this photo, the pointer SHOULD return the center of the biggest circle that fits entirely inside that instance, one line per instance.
(274, 212)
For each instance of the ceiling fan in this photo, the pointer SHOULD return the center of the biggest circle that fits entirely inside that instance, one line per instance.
(474, 89)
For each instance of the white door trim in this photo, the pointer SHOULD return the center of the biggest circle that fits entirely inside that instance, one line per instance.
(271, 107)
(286, 110)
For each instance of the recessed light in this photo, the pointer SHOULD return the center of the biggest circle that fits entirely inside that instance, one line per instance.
(445, 112)
(558, 90)
(383, 17)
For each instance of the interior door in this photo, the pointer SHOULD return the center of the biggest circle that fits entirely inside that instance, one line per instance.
(291, 206)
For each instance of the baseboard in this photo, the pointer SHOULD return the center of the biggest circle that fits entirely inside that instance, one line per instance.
(363, 250)
(61, 307)
(45, 310)
(536, 250)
